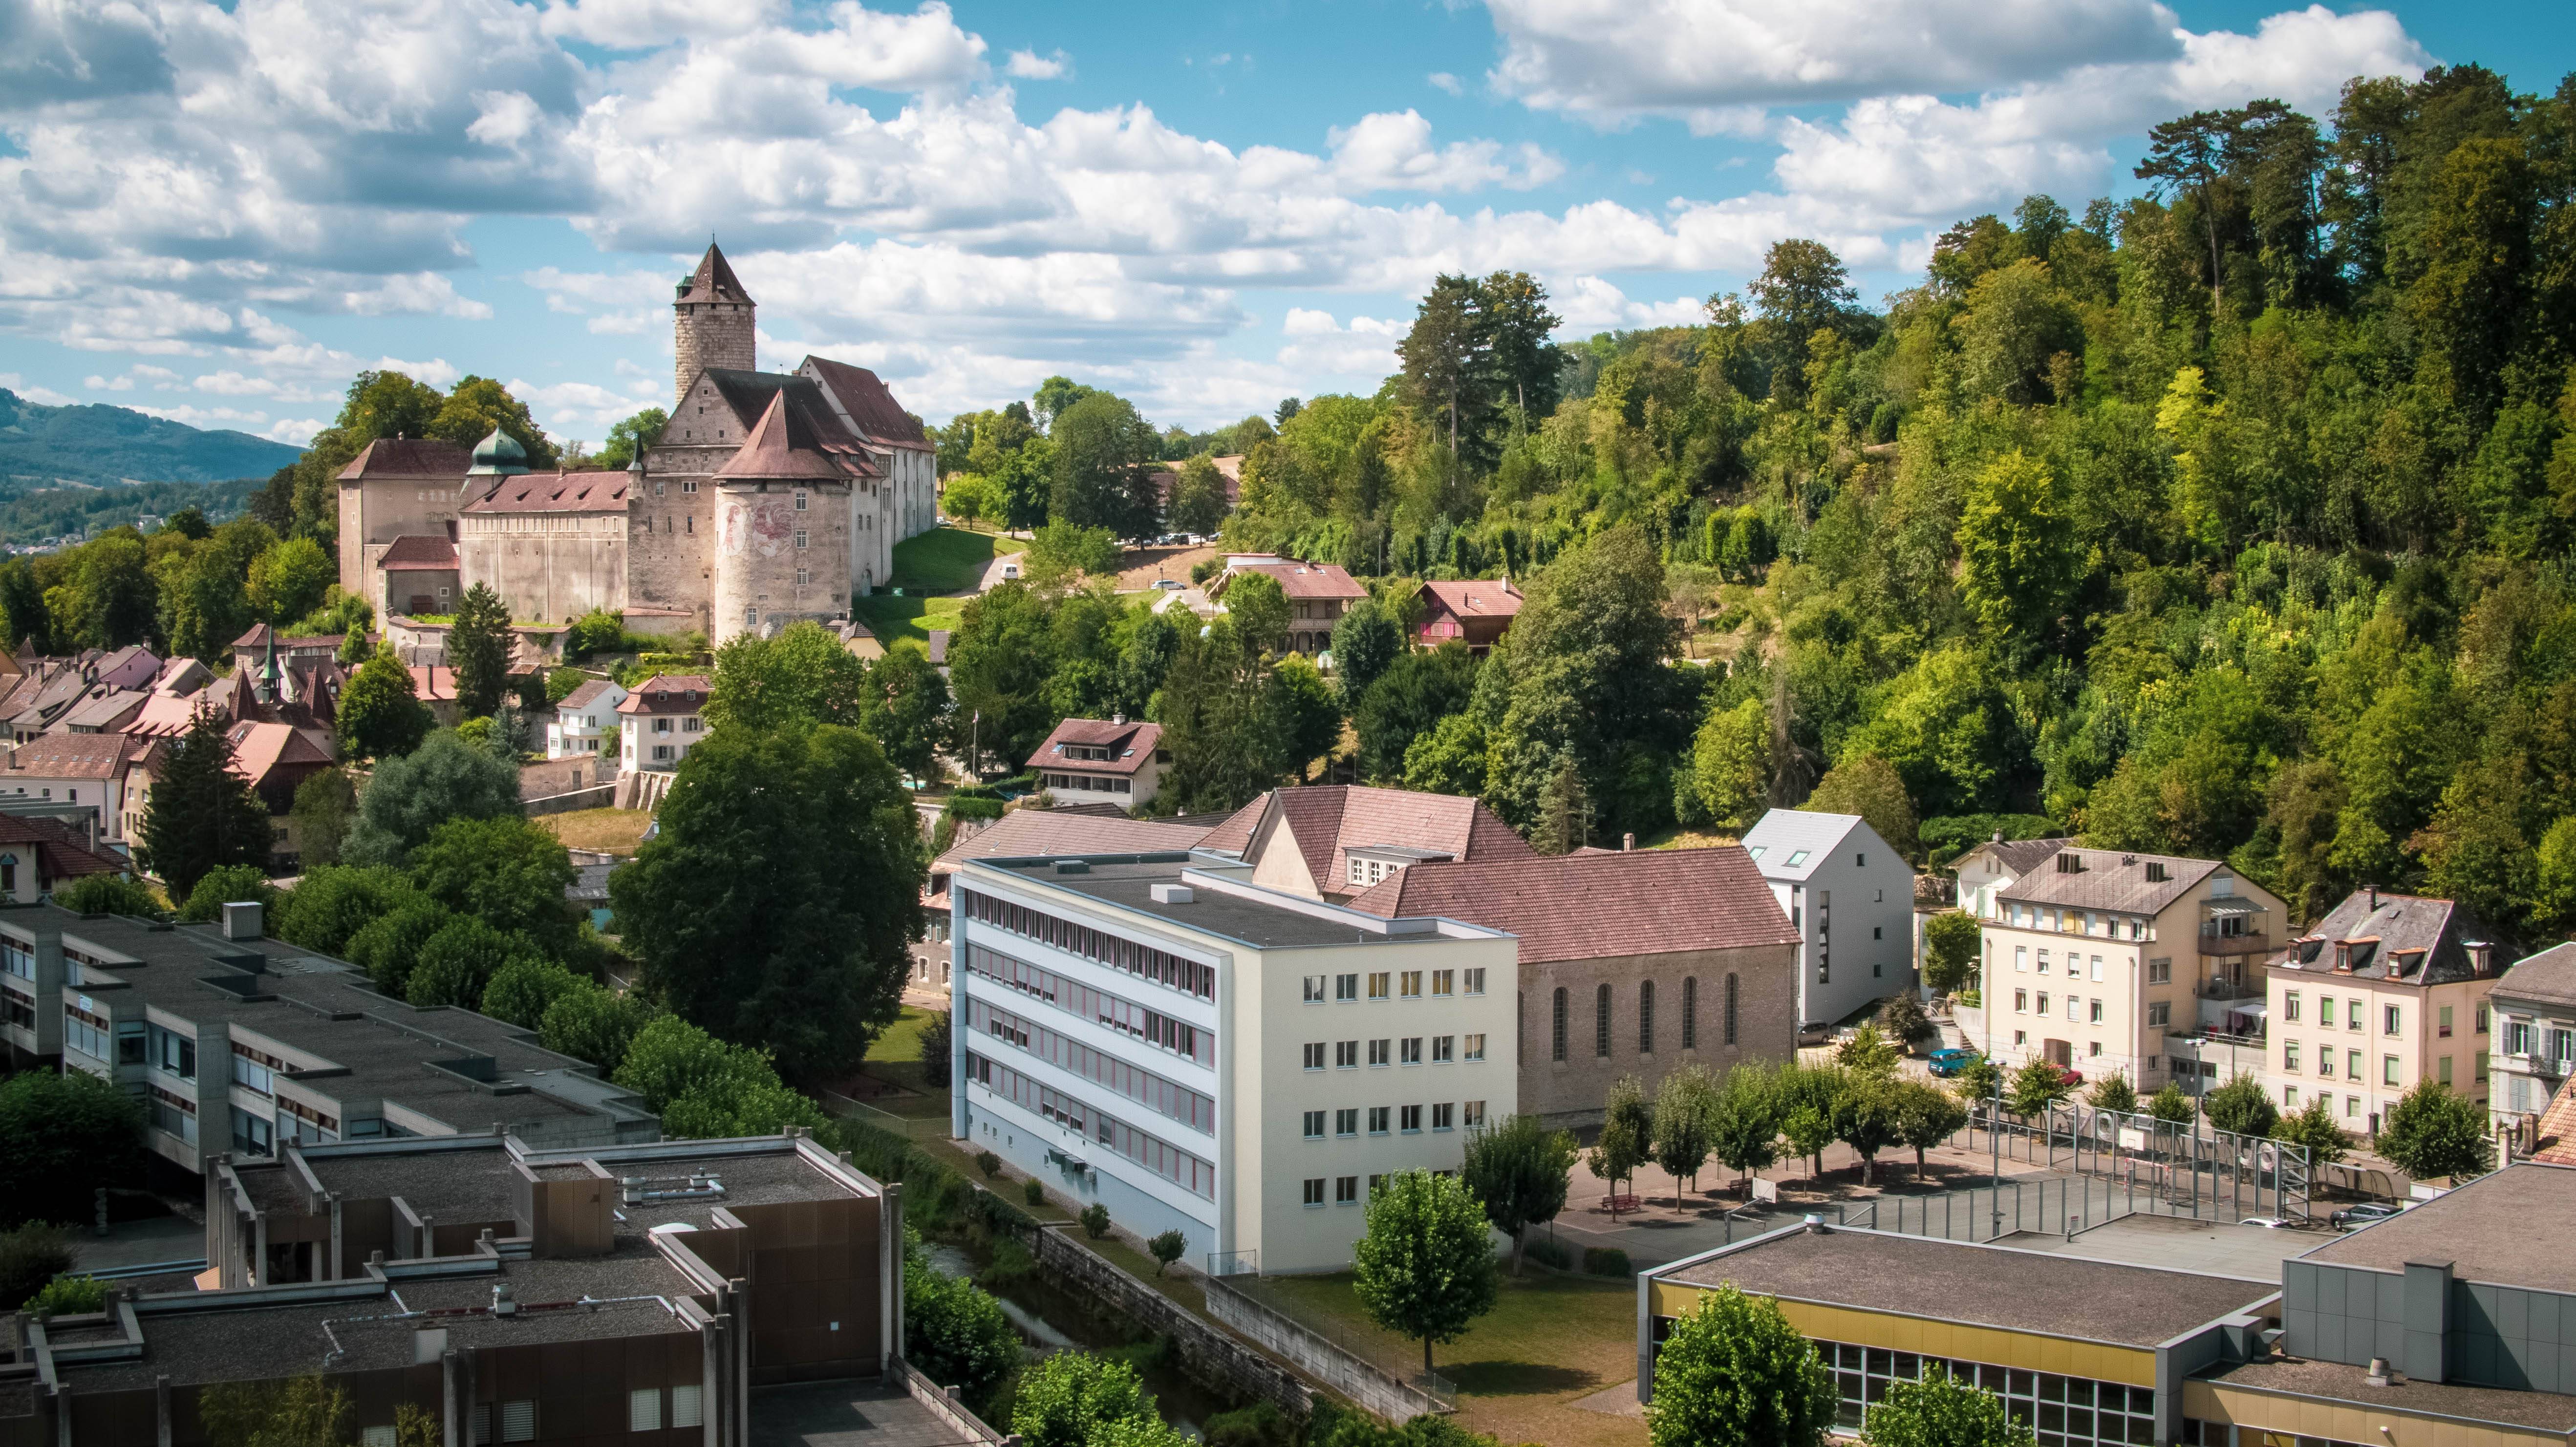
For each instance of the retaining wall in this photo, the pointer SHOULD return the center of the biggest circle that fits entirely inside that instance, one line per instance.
(1337, 1368)
(597, 797)
(1206, 1353)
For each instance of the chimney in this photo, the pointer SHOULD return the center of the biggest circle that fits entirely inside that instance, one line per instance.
(2374, 896)
(1627, 842)
(1118, 718)
(242, 920)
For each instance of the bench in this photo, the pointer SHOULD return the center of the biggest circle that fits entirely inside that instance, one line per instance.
(1617, 1204)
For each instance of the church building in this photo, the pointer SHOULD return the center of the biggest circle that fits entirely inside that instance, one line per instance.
(771, 497)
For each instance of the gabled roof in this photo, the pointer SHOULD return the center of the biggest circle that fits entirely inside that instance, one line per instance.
(1474, 598)
(409, 457)
(1296, 579)
(1130, 742)
(1032, 832)
(581, 698)
(2109, 879)
(60, 854)
(262, 749)
(713, 281)
(672, 693)
(1782, 835)
(1598, 904)
(592, 489)
(167, 715)
(2393, 938)
(76, 756)
(1328, 820)
(2017, 857)
(421, 552)
(104, 710)
(783, 445)
(433, 682)
(2556, 1135)
(2548, 977)
(869, 403)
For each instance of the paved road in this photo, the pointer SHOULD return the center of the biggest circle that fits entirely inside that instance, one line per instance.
(993, 571)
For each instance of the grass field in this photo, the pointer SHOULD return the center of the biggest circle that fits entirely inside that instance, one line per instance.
(1549, 1341)
(891, 619)
(611, 831)
(943, 560)
(902, 1039)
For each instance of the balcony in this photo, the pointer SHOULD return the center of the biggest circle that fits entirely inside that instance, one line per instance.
(2212, 944)
(2220, 987)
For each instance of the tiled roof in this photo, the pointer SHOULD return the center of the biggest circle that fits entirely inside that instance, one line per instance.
(713, 280)
(421, 552)
(871, 405)
(589, 490)
(2019, 856)
(75, 756)
(1029, 832)
(748, 395)
(165, 716)
(2394, 938)
(60, 854)
(2548, 977)
(1130, 742)
(1328, 820)
(1592, 905)
(2556, 1135)
(582, 696)
(2109, 879)
(433, 683)
(1296, 579)
(260, 749)
(667, 693)
(410, 457)
(782, 445)
(1475, 598)
(105, 710)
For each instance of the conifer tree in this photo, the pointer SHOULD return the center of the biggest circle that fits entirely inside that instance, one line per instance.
(478, 647)
(200, 815)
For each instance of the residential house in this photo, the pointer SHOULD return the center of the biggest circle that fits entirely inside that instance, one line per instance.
(2531, 1042)
(2140, 965)
(274, 759)
(104, 711)
(86, 769)
(2385, 991)
(1089, 758)
(416, 574)
(659, 720)
(1472, 612)
(1199, 1053)
(1028, 833)
(1336, 841)
(1849, 897)
(1318, 594)
(434, 684)
(1630, 964)
(1995, 864)
(586, 721)
(131, 667)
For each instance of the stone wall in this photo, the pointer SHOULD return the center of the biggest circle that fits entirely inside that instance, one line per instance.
(1206, 1353)
(549, 567)
(759, 564)
(1571, 1091)
(710, 334)
(1325, 1361)
(943, 1404)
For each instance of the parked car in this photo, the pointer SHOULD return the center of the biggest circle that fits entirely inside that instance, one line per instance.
(2353, 1218)
(2269, 1223)
(1169, 583)
(1948, 1063)
(1010, 570)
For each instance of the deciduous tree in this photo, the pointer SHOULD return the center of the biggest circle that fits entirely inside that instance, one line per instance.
(1424, 1268)
(1734, 1373)
(1518, 1171)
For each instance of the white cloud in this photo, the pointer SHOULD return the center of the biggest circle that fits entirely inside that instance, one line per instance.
(294, 431)
(1590, 304)
(104, 384)
(1390, 151)
(1443, 80)
(1029, 65)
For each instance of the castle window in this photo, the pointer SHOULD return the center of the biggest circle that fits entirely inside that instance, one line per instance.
(800, 502)
(800, 537)
(689, 485)
(804, 576)
(751, 617)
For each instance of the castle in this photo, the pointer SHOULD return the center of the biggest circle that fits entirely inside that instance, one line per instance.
(771, 497)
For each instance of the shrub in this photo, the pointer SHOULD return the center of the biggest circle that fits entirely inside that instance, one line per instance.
(1033, 1192)
(69, 1295)
(1095, 1220)
(1605, 1261)
(31, 1256)
(1167, 1248)
(1260, 1425)
(989, 1163)
(1011, 1261)
(1549, 1253)
(109, 894)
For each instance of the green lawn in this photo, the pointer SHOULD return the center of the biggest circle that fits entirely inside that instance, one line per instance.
(902, 1039)
(943, 560)
(891, 618)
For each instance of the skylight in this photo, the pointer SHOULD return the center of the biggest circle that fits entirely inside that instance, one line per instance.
(1756, 851)
(1797, 859)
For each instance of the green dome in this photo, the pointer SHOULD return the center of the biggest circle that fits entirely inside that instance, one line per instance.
(498, 455)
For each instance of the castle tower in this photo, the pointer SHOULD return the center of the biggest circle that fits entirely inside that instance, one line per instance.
(711, 324)
(782, 518)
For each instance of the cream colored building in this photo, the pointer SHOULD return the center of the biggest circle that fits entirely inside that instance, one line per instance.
(2385, 991)
(2111, 963)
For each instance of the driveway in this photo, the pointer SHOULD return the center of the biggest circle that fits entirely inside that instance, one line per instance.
(993, 570)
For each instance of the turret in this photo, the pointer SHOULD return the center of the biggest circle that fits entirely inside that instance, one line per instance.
(712, 324)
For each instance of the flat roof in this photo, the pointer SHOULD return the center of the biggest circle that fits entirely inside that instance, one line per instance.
(2338, 1382)
(1289, 922)
(2486, 1229)
(1977, 1285)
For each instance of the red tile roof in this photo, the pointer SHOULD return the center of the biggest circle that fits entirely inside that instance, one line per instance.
(871, 405)
(410, 457)
(433, 683)
(420, 552)
(781, 445)
(76, 756)
(1328, 820)
(2556, 1133)
(164, 716)
(750, 395)
(668, 693)
(1131, 744)
(261, 749)
(1595, 905)
(592, 489)
(60, 854)
(1474, 598)
(1296, 579)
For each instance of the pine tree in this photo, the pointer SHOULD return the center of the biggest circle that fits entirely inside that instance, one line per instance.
(478, 648)
(200, 815)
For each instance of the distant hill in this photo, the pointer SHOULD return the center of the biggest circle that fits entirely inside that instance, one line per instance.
(101, 446)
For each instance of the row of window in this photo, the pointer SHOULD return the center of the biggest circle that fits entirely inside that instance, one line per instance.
(2522, 1037)
(1346, 1189)
(1165, 1097)
(2108, 926)
(1445, 1050)
(2062, 1411)
(1160, 966)
(1089, 783)
(1404, 1119)
(2077, 1008)
(2351, 1103)
(2392, 1018)
(1098, 1006)
(2159, 971)
(1601, 1023)
(1161, 1157)
(1395, 985)
(17, 958)
(2390, 1070)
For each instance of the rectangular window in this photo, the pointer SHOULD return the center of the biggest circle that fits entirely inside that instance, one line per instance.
(1314, 1190)
(1444, 1049)
(2442, 1070)
(1315, 1055)
(2043, 960)
(1314, 1125)
(2442, 1023)
(2352, 1064)
(800, 502)
(804, 576)
(800, 537)
(1411, 984)
(1412, 1050)
(1346, 1190)
(2160, 1015)
(1378, 1051)
(1314, 989)
(2043, 1002)
(2388, 1070)
(2289, 1097)
(1440, 1113)
(1476, 980)
(2388, 1020)
(2071, 1002)
(1444, 982)
(644, 1410)
(1475, 1048)
(1377, 1119)
(2021, 1002)
(2325, 1011)
(1346, 1121)
(2095, 1018)
(1413, 1120)
(519, 1421)
(2352, 1014)
(2021, 959)
(1472, 1114)
(2290, 1055)
(684, 1407)
(1346, 1055)
(2290, 1006)
(1380, 984)
(2325, 1062)
(1346, 987)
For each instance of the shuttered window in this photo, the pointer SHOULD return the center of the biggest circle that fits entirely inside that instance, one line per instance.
(519, 1421)
(684, 1407)
(644, 1410)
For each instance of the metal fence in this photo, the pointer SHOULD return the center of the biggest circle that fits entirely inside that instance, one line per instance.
(2167, 1167)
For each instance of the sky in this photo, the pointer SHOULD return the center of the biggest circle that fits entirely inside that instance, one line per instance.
(219, 212)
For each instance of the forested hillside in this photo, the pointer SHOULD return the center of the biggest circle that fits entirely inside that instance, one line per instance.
(42, 445)
(2234, 520)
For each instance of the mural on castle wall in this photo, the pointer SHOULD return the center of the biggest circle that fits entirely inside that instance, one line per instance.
(756, 526)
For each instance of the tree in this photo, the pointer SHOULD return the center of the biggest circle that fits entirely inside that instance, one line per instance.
(1517, 1169)
(381, 715)
(1744, 1120)
(477, 405)
(2018, 559)
(1526, 363)
(200, 815)
(2184, 154)
(2113, 1093)
(969, 498)
(445, 779)
(936, 1047)
(1167, 1247)
(325, 807)
(1728, 779)
(1073, 1399)
(1942, 1411)
(1424, 1267)
(777, 903)
(1902, 1020)
(1104, 467)
(1447, 360)
(33, 1256)
(301, 1411)
(2314, 1128)
(1926, 1115)
(523, 990)
(109, 894)
(1869, 787)
(230, 884)
(1734, 1373)
(595, 1025)
(1199, 504)
(1410, 698)
(388, 947)
(109, 600)
(290, 578)
(1809, 1129)
(1307, 717)
(805, 673)
(334, 902)
(2241, 1107)
(478, 648)
(1867, 1051)
(62, 1136)
(2172, 1106)
(631, 435)
(1366, 640)
(1627, 1133)
(2037, 1088)
(955, 1332)
(1221, 718)
(906, 709)
(1951, 941)
(2433, 1132)
(506, 870)
(1803, 290)
(1867, 1117)
(1682, 1106)
(458, 962)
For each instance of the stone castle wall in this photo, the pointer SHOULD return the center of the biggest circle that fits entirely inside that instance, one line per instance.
(710, 334)
(764, 580)
(549, 567)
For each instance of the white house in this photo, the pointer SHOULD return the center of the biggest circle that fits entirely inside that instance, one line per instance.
(585, 723)
(1202, 1054)
(1861, 951)
(660, 721)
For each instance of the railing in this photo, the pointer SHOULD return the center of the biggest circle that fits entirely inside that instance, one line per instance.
(943, 1404)
(918, 1128)
(2219, 987)
(158, 1268)
(1234, 1263)
(2212, 943)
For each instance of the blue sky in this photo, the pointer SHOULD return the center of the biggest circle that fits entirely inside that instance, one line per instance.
(218, 213)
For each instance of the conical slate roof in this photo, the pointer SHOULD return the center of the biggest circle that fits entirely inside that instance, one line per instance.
(782, 447)
(713, 280)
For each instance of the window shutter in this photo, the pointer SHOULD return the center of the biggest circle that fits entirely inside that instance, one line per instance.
(643, 1410)
(519, 1421)
(684, 1407)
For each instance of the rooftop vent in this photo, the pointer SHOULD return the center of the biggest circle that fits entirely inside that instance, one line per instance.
(2070, 862)
(1173, 894)
(503, 1303)
(242, 920)
(2155, 871)
(1073, 866)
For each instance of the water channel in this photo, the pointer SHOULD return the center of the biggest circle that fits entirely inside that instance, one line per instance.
(1051, 1320)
